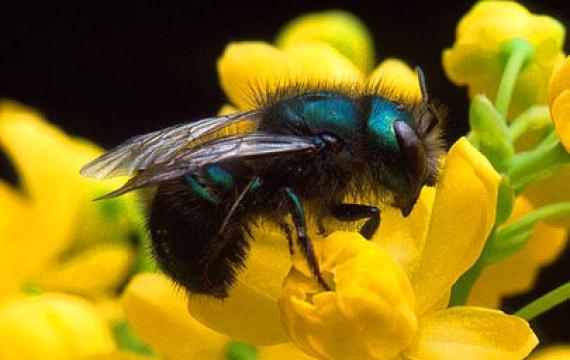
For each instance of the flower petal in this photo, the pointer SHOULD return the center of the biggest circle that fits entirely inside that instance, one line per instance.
(561, 117)
(52, 326)
(476, 60)
(369, 313)
(285, 351)
(560, 80)
(339, 29)
(15, 219)
(471, 333)
(251, 313)
(248, 69)
(156, 311)
(517, 274)
(48, 162)
(551, 190)
(404, 237)
(99, 269)
(462, 217)
(557, 352)
(118, 355)
(396, 76)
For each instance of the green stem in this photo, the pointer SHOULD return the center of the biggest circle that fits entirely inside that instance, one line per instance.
(535, 118)
(544, 213)
(518, 52)
(462, 288)
(512, 238)
(545, 302)
(536, 164)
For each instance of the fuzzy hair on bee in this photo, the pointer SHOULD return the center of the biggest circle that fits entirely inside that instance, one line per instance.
(307, 148)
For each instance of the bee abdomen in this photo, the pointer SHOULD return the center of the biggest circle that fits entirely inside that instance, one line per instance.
(187, 242)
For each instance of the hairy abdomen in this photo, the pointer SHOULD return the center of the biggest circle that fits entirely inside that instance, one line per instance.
(186, 239)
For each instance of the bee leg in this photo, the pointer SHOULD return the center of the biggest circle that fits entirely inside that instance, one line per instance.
(287, 230)
(353, 212)
(298, 214)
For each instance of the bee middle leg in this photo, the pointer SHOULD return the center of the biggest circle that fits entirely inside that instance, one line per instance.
(298, 214)
(353, 212)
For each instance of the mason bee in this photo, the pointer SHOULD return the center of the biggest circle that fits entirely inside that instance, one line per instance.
(309, 146)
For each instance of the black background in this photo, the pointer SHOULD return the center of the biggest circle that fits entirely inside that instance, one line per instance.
(110, 70)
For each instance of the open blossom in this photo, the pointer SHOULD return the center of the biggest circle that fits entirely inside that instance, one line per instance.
(57, 242)
(389, 295)
(476, 59)
(394, 309)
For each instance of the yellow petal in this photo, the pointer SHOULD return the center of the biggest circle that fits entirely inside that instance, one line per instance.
(370, 312)
(51, 326)
(285, 351)
(320, 63)
(40, 153)
(462, 217)
(156, 310)
(404, 237)
(394, 75)
(560, 80)
(118, 355)
(15, 220)
(250, 69)
(551, 190)
(471, 333)
(99, 269)
(557, 352)
(517, 274)
(561, 117)
(251, 313)
(48, 162)
(475, 59)
(339, 29)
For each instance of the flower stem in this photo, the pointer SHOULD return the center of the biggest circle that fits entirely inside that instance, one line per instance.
(545, 302)
(510, 239)
(462, 288)
(518, 52)
(535, 118)
(538, 163)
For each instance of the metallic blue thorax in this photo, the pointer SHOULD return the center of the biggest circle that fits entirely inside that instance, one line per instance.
(344, 116)
(320, 112)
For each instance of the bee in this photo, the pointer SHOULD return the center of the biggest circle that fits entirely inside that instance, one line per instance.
(309, 146)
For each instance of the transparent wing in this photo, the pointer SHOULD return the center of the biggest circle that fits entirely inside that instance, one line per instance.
(141, 152)
(232, 148)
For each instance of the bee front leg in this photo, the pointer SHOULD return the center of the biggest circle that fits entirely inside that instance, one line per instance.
(353, 212)
(289, 234)
(298, 215)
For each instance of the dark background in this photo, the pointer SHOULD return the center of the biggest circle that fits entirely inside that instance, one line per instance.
(110, 70)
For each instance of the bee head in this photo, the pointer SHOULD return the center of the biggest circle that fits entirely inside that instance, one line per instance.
(405, 146)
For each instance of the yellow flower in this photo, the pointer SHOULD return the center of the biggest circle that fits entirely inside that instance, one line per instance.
(389, 298)
(55, 239)
(557, 352)
(51, 326)
(390, 295)
(157, 311)
(554, 189)
(52, 234)
(341, 30)
(517, 274)
(559, 101)
(476, 58)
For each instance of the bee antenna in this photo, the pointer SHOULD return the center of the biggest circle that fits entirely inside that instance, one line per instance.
(423, 86)
(425, 99)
